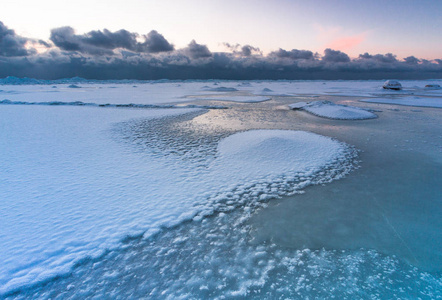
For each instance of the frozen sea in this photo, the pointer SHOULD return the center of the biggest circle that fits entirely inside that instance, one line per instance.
(217, 189)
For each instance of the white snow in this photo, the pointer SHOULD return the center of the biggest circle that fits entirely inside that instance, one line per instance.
(409, 101)
(72, 184)
(331, 110)
(260, 153)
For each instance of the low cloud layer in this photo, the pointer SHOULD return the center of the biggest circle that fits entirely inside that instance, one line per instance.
(102, 54)
(12, 44)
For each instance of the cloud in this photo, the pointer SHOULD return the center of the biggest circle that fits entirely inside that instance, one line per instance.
(154, 43)
(11, 44)
(195, 50)
(381, 58)
(99, 42)
(245, 50)
(110, 40)
(412, 60)
(65, 38)
(125, 55)
(293, 54)
(335, 56)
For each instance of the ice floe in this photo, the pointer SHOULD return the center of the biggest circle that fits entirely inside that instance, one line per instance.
(331, 110)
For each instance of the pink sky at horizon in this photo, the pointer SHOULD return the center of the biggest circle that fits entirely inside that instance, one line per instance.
(404, 28)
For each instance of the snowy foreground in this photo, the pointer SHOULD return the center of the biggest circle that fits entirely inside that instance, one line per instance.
(88, 166)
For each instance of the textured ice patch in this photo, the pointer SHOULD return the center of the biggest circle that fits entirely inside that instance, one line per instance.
(70, 191)
(215, 259)
(409, 101)
(63, 183)
(330, 110)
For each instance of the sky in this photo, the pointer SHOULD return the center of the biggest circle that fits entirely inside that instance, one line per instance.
(402, 27)
(405, 28)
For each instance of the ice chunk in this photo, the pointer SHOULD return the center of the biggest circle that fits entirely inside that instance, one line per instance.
(432, 86)
(392, 85)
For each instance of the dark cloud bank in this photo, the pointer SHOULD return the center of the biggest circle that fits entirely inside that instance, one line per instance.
(126, 55)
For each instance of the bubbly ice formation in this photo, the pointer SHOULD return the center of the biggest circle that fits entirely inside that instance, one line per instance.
(330, 110)
(73, 181)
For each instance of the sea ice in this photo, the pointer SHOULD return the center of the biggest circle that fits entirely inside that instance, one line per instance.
(392, 85)
(330, 110)
(167, 92)
(244, 99)
(75, 181)
(222, 89)
(409, 101)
